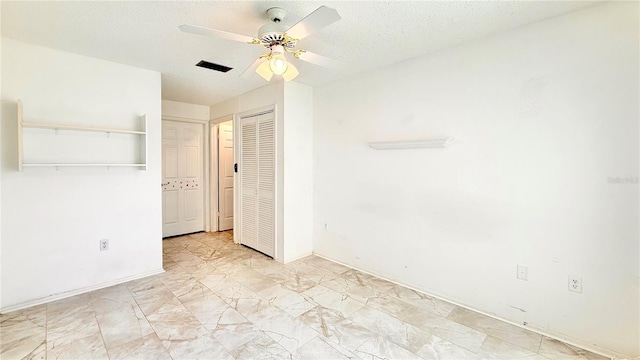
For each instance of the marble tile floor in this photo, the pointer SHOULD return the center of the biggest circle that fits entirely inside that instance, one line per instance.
(219, 300)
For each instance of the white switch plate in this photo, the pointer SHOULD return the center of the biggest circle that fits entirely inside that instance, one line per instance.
(575, 283)
(523, 273)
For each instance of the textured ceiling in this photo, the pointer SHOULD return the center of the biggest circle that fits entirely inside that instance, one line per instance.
(371, 34)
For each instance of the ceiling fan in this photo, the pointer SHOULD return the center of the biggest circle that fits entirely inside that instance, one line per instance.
(280, 40)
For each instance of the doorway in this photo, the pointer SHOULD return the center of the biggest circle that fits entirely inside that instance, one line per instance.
(225, 175)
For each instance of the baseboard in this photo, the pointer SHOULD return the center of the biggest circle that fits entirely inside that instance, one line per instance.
(66, 294)
(600, 351)
(298, 258)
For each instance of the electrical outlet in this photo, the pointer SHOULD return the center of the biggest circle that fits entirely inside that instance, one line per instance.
(104, 244)
(325, 227)
(575, 283)
(523, 273)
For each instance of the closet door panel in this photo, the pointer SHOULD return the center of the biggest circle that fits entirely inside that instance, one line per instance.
(182, 169)
(266, 184)
(249, 182)
(257, 182)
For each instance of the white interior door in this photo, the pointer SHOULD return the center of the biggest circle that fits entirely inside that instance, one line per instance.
(225, 175)
(182, 172)
(257, 182)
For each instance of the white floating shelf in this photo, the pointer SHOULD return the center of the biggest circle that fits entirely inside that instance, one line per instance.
(81, 165)
(79, 128)
(410, 144)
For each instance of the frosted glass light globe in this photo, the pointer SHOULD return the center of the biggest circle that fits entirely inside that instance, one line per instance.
(278, 64)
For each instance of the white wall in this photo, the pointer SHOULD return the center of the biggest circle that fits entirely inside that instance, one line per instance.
(53, 220)
(544, 117)
(176, 110)
(298, 171)
(270, 94)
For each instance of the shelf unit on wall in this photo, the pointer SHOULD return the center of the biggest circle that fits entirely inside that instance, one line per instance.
(411, 144)
(142, 155)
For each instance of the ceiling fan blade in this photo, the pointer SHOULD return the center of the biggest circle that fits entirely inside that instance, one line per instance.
(248, 72)
(320, 60)
(313, 22)
(215, 33)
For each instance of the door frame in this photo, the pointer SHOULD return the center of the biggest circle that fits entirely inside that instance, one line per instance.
(214, 207)
(206, 216)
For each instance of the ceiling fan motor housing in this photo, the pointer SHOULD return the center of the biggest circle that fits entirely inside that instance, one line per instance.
(276, 14)
(273, 34)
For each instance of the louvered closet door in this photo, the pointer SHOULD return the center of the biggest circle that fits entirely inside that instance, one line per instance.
(249, 183)
(266, 184)
(257, 181)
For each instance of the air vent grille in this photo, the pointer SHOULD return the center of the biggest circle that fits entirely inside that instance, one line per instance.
(212, 66)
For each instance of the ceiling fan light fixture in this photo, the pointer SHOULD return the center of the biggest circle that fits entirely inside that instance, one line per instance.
(264, 70)
(291, 73)
(277, 61)
(278, 64)
(278, 39)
